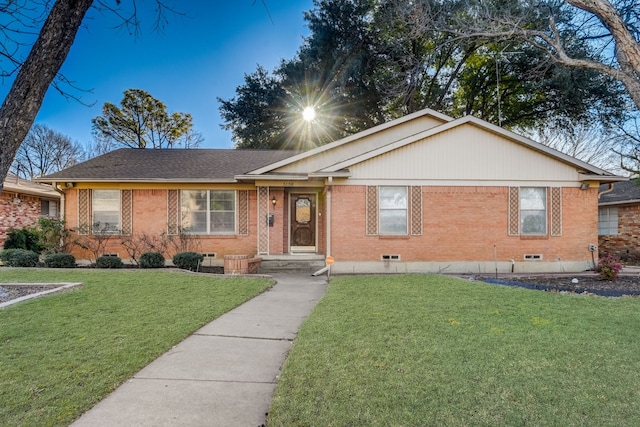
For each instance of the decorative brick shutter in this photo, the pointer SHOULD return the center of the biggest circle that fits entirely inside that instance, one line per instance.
(372, 211)
(84, 211)
(243, 212)
(126, 211)
(263, 228)
(514, 211)
(173, 209)
(556, 211)
(416, 211)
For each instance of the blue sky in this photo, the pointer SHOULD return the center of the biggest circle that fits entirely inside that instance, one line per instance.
(199, 57)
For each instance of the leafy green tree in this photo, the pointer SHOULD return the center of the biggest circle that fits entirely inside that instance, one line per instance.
(141, 121)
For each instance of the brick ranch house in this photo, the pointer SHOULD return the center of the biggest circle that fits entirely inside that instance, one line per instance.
(619, 220)
(423, 193)
(22, 202)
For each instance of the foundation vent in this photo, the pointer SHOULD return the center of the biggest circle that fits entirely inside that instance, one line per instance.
(388, 257)
(532, 257)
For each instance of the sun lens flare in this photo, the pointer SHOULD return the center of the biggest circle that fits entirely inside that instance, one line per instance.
(308, 114)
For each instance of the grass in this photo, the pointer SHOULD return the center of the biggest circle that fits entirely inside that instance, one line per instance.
(430, 350)
(61, 354)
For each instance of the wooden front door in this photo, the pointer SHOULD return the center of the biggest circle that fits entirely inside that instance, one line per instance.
(303, 222)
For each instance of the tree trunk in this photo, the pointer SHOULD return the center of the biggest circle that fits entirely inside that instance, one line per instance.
(27, 92)
(627, 47)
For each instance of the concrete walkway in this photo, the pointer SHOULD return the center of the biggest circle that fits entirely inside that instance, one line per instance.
(225, 373)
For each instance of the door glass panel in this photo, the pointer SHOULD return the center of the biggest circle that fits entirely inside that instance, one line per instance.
(303, 211)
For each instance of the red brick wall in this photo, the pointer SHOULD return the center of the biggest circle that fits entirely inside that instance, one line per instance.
(462, 224)
(17, 212)
(626, 244)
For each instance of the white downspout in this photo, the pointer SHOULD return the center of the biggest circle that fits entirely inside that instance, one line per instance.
(327, 268)
(329, 215)
(61, 192)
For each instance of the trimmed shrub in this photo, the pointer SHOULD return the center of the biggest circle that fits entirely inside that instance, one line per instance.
(60, 260)
(188, 260)
(151, 260)
(23, 238)
(109, 262)
(19, 258)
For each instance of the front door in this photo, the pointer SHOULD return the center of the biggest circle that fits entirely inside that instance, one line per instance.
(303, 222)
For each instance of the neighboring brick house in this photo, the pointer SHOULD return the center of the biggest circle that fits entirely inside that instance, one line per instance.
(423, 193)
(22, 202)
(619, 220)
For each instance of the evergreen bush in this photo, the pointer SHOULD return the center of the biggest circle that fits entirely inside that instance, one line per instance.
(19, 258)
(109, 262)
(151, 260)
(188, 260)
(60, 260)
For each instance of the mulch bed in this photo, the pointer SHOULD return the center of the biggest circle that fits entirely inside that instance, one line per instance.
(9, 292)
(624, 285)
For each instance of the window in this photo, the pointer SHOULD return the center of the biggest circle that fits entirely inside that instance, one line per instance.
(607, 221)
(49, 208)
(106, 211)
(533, 211)
(209, 211)
(393, 210)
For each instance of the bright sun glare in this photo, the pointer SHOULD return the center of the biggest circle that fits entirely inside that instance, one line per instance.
(309, 114)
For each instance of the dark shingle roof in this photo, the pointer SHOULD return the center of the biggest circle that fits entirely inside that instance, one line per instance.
(623, 192)
(130, 164)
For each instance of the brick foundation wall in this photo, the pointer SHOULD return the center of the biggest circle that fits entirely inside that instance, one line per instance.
(626, 244)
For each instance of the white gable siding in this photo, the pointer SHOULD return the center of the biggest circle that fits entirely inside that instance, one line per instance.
(465, 153)
(359, 146)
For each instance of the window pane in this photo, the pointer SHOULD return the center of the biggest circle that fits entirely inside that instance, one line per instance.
(194, 222)
(533, 210)
(223, 201)
(208, 211)
(607, 221)
(393, 222)
(534, 222)
(106, 211)
(533, 198)
(393, 197)
(393, 210)
(222, 222)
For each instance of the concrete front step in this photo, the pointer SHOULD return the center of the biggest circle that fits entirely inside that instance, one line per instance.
(284, 265)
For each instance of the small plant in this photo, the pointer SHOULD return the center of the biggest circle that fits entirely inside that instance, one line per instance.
(188, 260)
(107, 261)
(151, 260)
(60, 260)
(608, 267)
(19, 258)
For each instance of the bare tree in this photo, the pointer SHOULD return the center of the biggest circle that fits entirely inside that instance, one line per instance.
(56, 26)
(594, 145)
(45, 151)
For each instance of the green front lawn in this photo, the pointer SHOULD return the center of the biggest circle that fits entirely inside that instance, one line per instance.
(423, 350)
(61, 354)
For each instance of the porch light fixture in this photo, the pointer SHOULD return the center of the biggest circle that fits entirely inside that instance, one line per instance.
(273, 201)
(584, 186)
